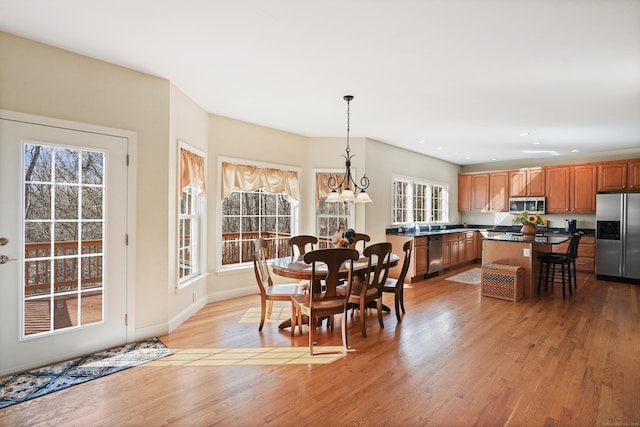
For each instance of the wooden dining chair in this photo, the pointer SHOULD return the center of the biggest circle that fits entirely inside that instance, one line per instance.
(369, 289)
(301, 243)
(566, 262)
(326, 303)
(360, 237)
(268, 291)
(396, 286)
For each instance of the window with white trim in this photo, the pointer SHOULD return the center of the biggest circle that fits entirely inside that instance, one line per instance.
(257, 202)
(419, 201)
(330, 215)
(189, 234)
(191, 214)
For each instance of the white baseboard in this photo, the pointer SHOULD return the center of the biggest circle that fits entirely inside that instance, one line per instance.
(232, 293)
(185, 314)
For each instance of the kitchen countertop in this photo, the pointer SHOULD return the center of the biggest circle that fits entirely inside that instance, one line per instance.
(495, 228)
(553, 239)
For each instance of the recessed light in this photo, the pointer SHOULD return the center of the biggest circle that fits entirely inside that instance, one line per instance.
(438, 148)
(421, 141)
(536, 143)
(574, 151)
(467, 158)
(494, 159)
(524, 134)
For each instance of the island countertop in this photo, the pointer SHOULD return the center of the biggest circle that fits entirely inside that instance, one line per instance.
(550, 240)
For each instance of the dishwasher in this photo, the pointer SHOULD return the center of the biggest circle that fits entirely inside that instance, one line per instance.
(435, 254)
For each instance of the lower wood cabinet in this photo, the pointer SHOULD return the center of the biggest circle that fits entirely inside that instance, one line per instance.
(418, 265)
(586, 253)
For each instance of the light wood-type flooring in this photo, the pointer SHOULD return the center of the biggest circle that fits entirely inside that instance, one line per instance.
(457, 359)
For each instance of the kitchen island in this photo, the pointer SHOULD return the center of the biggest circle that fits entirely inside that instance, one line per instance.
(520, 251)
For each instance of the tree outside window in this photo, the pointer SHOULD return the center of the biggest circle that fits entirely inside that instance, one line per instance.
(415, 201)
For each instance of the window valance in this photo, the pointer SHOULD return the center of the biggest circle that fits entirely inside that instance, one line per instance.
(191, 171)
(252, 178)
(322, 180)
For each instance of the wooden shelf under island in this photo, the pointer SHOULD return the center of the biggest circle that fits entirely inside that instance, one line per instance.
(520, 251)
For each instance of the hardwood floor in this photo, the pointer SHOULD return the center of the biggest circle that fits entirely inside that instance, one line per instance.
(457, 359)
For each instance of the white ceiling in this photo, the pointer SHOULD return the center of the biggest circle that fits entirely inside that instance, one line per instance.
(465, 77)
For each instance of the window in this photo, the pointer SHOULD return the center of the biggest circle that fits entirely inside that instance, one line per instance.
(329, 215)
(188, 234)
(419, 201)
(191, 214)
(257, 202)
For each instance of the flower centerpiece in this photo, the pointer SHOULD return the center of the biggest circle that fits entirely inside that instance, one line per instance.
(529, 222)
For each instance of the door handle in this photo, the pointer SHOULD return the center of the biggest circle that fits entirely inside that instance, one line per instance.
(5, 259)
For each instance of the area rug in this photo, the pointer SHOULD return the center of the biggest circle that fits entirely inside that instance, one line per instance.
(38, 382)
(472, 277)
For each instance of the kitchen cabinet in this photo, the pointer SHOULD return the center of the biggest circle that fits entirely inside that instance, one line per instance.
(464, 192)
(586, 253)
(473, 192)
(633, 172)
(469, 246)
(558, 182)
(480, 192)
(498, 191)
(612, 176)
(450, 250)
(619, 175)
(421, 251)
(583, 188)
(571, 189)
(527, 182)
(418, 264)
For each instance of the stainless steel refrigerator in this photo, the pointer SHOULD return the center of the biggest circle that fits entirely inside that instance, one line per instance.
(618, 236)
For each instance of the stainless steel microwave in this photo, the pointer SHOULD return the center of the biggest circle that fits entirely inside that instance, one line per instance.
(529, 204)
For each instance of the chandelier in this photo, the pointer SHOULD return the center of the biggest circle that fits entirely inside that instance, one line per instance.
(347, 181)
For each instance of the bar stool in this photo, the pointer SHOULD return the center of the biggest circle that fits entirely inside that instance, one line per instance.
(567, 263)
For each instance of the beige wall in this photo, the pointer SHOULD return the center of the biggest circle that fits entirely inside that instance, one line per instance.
(190, 124)
(231, 138)
(42, 80)
(385, 161)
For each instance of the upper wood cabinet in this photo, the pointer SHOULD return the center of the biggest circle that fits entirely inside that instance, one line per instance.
(619, 175)
(571, 188)
(633, 173)
(612, 176)
(558, 182)
(464, 192)
(480, 192)
(498, 191)
(473, 192)
(527, 182)
(583, 188)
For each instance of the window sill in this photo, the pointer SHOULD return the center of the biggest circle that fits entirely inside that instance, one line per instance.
(191, 281)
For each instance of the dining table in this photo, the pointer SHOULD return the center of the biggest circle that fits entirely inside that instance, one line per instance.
(294, 267)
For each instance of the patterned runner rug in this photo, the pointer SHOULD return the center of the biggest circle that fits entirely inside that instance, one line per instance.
(472, 277)
(38, 382)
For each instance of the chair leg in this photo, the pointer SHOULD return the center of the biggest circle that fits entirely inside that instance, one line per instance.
(312, 328)
(397, 305)
(568, 266)
(294, 318)
(270, 309)
(540, 276)
(562, 268)
(363, 327)
(379, 307)
(263, 308)
(343, 327)
(546, 277)
(299, 312)
(401, 293)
